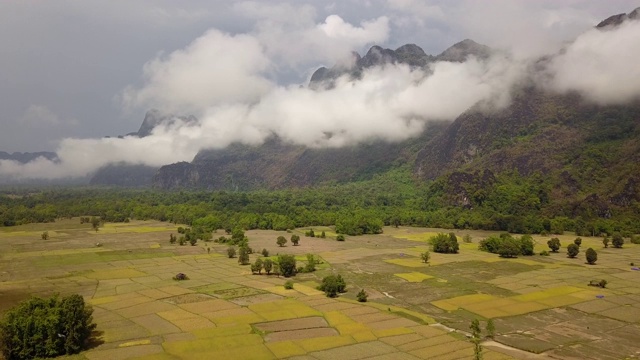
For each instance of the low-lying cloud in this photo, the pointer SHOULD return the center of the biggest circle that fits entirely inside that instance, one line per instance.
(227, 82)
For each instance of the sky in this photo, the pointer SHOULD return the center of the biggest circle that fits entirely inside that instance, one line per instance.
(72, 72)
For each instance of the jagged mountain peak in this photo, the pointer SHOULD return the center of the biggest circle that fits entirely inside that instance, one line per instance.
(616, 20)
(155, 117)
(461, 51)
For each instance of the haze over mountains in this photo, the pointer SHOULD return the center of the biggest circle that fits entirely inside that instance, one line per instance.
(367, 114)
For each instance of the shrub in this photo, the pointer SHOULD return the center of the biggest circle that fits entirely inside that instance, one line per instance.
(617, 241)
(635, 239)
(311, 264)
(572, 250)
(605, 242)
(578, 241)
(265, 252)
(231, 252)
(554, 244)
(443, 243)
(180, 277)
(526, 245)
(243, 256)
(50, 327)
(362, 296)
(425, 256)
(295, 240)
(256, 267)
(466, 238)
(509, 247)
(592, 256)
(340, 237)
(288, 285)
(544, 253)
(45, 235)
(323, 235)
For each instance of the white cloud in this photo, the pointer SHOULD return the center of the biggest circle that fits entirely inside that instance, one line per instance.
(214, 68)
(38, 115)
(600, 64)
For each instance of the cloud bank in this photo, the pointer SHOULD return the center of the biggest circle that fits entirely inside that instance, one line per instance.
(227, 81)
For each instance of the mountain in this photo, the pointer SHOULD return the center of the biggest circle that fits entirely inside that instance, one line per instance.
(409, 54)
(124, 175)
(155, 118)
(276, 164)
(25, 157)
(616, 20)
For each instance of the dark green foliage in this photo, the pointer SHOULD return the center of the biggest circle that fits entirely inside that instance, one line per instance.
(46, 328)
(44, 235)
(172, 239)
(257, 266)
(573, 250)
(578, 241)
(267, 264)
(467, 238)
(243, 255)
(491, 329)
(592, 256)
(358, 223)
(295, 240)
(598, 283)
(544, 253)
(332, 285)
(507, 246)
(231, 252)
(310, 233)
(95, 223)
(362, 296)
(180, 277)
(554, 244)
(476, 332)
(311, 264)
(617, 240)
(605, 241)
(323, 235)
(288, 285)
(281, 241)
(443, 243)
(287, 265)
(635, 239)
(425, 256)
(340, 237)
(265, 252)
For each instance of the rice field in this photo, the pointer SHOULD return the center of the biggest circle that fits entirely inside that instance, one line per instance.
(537, 303)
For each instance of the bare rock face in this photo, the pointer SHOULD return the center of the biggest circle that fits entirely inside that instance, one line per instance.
(616, 20)
(154, 118)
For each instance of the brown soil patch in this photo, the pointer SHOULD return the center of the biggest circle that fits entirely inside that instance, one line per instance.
(293, 324)
(300, 334)
(255, 299)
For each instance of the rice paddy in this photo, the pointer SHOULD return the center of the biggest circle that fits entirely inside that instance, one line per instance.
(539, 304)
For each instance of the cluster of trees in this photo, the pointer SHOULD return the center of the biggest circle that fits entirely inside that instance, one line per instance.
(46, 327)
(508, 246)
(509, 203)
(333, 285)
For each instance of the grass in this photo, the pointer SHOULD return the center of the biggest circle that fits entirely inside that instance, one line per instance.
(141, 310)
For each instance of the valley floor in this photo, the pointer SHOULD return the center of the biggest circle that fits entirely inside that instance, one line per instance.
(539, 304)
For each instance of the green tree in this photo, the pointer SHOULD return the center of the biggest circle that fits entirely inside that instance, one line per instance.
(526, 245)
(592, 256)
(256, 267)
(39, 328)
(467, 238)
(267, 265)
(265, 252)
(287, 265)
(476, 332)
(95, 223)
(509, 247)
(578, 241)
(475, 338)
(45, 235)
(617, 240)
(332, 285)
(311, 263)
(295, 240)
(443, 243)
(554, 244)
(323, 235)
(573, 250)
(491, 329)
(425, 256)
(605, 241)
(172, 239)
(231, 252)
(362, 296)
(243, 255)
(281, 240)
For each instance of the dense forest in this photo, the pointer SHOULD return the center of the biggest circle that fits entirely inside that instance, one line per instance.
(501, 202)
